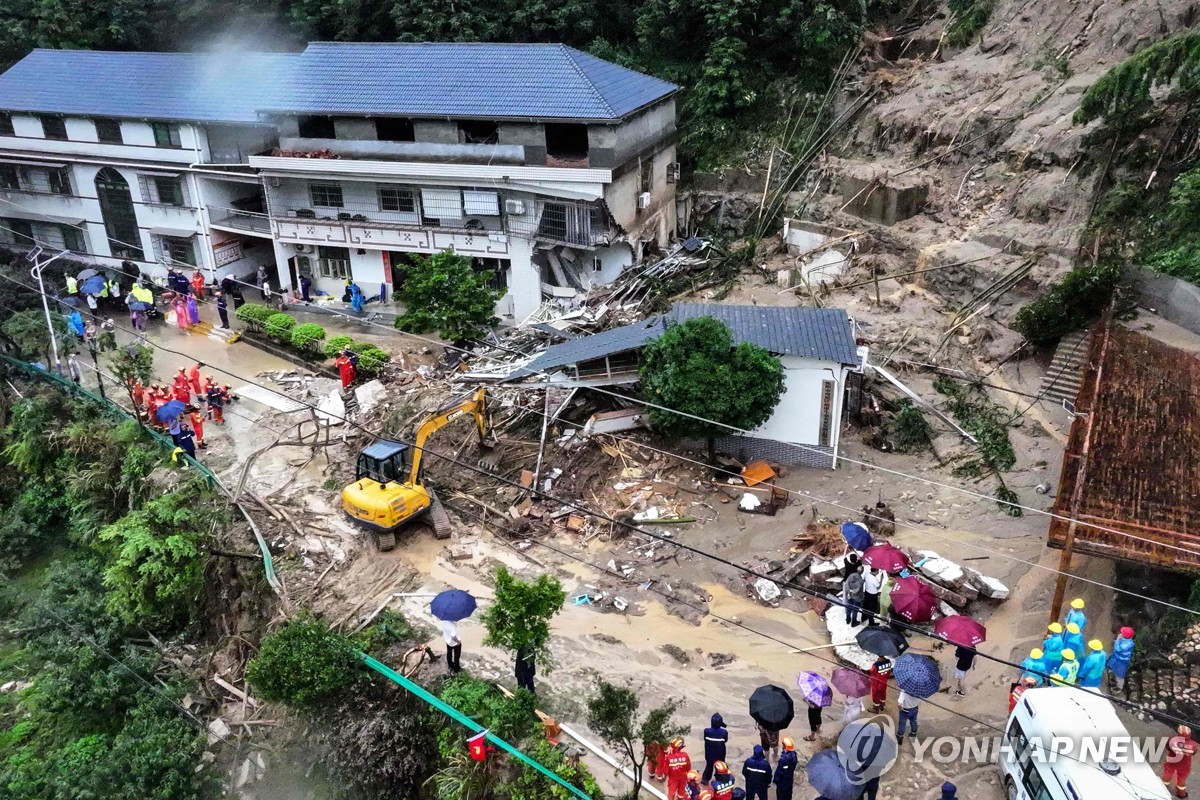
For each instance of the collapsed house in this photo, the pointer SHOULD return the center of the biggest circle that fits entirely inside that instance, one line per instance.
(816, 346)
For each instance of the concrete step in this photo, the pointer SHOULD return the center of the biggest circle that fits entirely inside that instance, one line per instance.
(1065, 373)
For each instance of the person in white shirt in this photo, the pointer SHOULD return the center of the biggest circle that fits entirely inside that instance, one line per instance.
(453, 646)
(908, 715)
(872, 585)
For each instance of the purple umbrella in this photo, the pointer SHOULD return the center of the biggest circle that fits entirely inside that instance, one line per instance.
(851, 682)
(814, 689)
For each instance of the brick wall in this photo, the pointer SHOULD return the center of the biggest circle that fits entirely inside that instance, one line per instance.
(747, 448)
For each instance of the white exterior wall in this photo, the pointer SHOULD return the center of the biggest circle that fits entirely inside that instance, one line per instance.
(797, 418)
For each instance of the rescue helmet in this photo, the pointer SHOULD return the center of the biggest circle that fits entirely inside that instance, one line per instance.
(677, 742)
(1077, 604)
(1127, 632)
(705, 794)
(1068, 654)
(1036, 653)
(721, 768)
(693, 775)
(1096, 644)
(1184, 730)
(1030, 680)
(1054, 627)
(788, 744)
(1072, 627)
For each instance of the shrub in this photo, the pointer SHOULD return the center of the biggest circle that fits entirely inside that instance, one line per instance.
(969, 18)
(909, 430)
(307, 337)
(254, 315)
(1077, 300)
(279, 326)
(303, 663)
(370, 359)
(335, 345)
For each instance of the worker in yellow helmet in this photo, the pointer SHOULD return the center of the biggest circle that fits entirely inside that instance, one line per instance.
(1068, 671)
(1052, 647)
(1076, 614)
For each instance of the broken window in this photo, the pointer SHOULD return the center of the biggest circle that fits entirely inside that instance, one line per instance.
(479, 132)
(54, 127)
(567, 142)
(59, 180)
(826, 432)
(108, 131)
(393, 129)
(315, 127)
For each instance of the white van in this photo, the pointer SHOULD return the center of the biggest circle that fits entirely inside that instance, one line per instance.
(1063, 743)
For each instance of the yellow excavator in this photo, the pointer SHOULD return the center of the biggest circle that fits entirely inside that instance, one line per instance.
(388, 489)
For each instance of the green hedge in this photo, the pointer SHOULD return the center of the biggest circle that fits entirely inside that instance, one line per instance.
(307, 337)
(370, 359)
(279, 326)
(335, 345)
(254, 315)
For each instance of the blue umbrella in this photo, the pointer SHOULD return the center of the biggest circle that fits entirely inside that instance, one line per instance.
(169, 410)
(827, 775)
(917, 675)
(93, 285)
(453, 605)
(856, 535)
(138, 305)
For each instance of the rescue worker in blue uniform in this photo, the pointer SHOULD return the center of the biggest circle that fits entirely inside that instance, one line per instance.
(756, 772)
(716, 738)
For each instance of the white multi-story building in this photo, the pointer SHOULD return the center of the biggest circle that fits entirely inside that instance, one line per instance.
(552, 169)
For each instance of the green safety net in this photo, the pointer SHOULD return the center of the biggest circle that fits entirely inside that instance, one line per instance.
(463, 719)
(269, 567)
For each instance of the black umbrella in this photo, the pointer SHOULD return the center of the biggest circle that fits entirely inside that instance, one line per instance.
(73, 302)
(881, 641)
(771, 707)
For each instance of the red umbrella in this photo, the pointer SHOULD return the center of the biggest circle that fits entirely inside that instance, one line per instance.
(885, 557)
(960, 630)
(913, 600)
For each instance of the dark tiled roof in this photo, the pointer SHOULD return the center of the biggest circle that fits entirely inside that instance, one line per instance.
(472, 79)
(821, 333)
(199, 87)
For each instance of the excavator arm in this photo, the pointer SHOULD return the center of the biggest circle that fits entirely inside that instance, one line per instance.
(476, 405)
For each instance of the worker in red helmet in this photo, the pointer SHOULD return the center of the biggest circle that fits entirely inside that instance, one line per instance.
(722, 782)
(1181, 747)
(693, 785)
(678, 766)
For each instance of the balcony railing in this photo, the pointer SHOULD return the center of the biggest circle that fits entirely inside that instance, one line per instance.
(242, 220)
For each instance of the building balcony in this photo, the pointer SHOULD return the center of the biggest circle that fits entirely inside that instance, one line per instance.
(410, 151)
(251, 222)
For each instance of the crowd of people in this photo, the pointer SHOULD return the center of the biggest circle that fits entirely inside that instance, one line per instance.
(200, 397)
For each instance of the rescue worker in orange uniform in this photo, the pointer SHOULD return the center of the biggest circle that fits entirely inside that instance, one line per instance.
(151, 403)
(193, 376)
(198, 285)
(1018, 689)
(722, 782)
(678, 766)
(197, 420)
(346, 369)
(182, 388)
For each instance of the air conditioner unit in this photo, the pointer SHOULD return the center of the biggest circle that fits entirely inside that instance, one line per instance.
(514, 206)
(302, 248)
(643, 200)
(673, 172)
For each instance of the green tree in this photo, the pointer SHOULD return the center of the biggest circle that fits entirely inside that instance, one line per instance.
(303, 663)
(443, 293)
(614, 714)
(133, 364)
(155, 565)
(26, 332)
(694, 368)
(518, 620)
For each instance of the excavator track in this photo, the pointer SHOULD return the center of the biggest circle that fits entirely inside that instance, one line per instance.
(438, 519)
(387, 540)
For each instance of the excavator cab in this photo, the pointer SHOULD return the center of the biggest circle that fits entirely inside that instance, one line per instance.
(384, 462)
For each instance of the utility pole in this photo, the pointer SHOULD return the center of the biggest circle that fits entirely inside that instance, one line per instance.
(36, 272)
(96, 364)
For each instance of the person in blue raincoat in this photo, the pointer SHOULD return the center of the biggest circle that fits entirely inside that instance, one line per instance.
(716, 738)
(356, 298)
(756, 772)
(1091, 671)
(1052, 648)
(785, 770)
(75, 323)
(1073, 639)
(1076, 614)
(1035, 666)
(1122, 655)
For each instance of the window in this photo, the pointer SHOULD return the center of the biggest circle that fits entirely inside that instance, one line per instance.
(482, 204)
(393, 129)
(166, 134)
(316, 127)
(6, 126)
(826, 432)
(395, 198)
(108, 130)
(116, 209)
(72, 239)
(17, 232)
(333, 262)
(178, 249)
(597, 264)
(168, 191)
(647, 180)
(567, 142)
(10, 177)
(54, 127)
(60, 181)
(327, 195)
(479, 132)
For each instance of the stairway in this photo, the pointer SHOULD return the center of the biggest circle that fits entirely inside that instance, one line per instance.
(217, 334)
(1063, 378)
